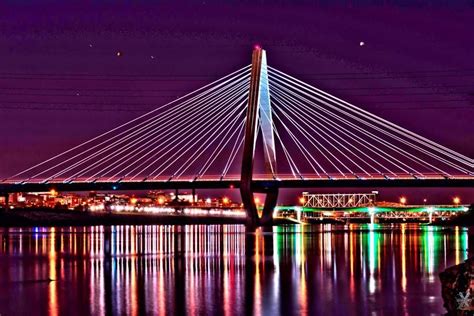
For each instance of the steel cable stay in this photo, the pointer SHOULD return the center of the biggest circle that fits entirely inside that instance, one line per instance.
(318, 145)
(343, 105)
(178, 146)
(147, 118)
(302, 95)
(409, 155)
(325, 130)
(233, 152)
(166, 164)
(110, 147)
(424, 151)
(176, 130)
(152, 154)
(200, 120)
(220, 147)
(298, 143)
(347, 133)
(294, 169)
(175, 147)
(318, 132)
(364, 114)
(211, 134)
(383, 154)
(233, 126)
(120, 142)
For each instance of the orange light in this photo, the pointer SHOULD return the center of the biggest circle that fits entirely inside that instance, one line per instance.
(302, 200)
(133, 200)
(403, 200)
(257, 200)
(161, 200)
(225, 200)
(456, 200)
(53, 192)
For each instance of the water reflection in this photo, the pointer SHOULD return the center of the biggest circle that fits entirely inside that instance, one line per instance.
(222, 269)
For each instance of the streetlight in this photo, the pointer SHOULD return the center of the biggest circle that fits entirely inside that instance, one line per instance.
(302, 200)
(403, 200)
(456, 200)
(225, 200)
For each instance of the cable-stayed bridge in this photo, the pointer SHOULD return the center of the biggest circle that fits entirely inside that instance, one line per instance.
(257, 129)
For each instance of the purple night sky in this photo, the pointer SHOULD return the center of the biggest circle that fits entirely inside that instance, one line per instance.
(61, 81)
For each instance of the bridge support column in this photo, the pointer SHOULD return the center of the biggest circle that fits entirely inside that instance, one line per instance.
(258, 110)
(270, 202)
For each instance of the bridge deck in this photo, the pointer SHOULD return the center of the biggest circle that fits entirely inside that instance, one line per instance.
(258, 183)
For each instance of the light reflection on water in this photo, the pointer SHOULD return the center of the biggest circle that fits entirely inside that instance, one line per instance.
(221, 269)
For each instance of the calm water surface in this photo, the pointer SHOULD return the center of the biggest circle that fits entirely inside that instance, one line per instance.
(221, 269)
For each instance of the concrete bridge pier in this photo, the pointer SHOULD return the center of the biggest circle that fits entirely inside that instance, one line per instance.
(270, 202)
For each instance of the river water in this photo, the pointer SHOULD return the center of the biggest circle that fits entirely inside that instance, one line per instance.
(222, 269)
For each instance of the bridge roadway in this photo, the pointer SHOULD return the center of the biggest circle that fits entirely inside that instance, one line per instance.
(257, 184)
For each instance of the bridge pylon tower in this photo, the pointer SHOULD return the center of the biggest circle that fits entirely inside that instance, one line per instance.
(259, 114)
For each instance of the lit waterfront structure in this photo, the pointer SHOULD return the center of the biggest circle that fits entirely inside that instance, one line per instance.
(384, 213)
(339, 200)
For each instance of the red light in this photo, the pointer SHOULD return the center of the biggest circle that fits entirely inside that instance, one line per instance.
(256, 46)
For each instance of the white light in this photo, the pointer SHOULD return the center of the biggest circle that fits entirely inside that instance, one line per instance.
(361, 43)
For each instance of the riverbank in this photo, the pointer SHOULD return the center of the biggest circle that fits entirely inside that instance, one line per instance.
(58, 217)
(54, 217)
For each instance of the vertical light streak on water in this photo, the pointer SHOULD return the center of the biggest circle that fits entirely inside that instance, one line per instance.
(372, 259)
(404, 269)
(404, 259)
(465, 237)
(257, 289)
(362, 256)
(161, 275)
(428, 249)
(445, 249)
(328, 246)
(52, 286)
(89, 245)
(303, 287)
(297, 245)
(351, 263)
(20, 241)
(276, 264)
(226, 278)
(190, 268)
(321, 249)
(456, 244)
